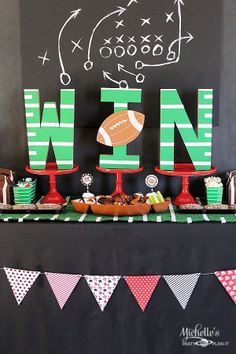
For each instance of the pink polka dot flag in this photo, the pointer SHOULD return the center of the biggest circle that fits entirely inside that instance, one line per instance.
(20, 281)
(228, 279)
(62, 285)
(102, 287)
(142, 287)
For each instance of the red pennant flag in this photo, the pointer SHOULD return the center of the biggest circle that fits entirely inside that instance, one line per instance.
(142, 287)
(228, 279)
(62, 285)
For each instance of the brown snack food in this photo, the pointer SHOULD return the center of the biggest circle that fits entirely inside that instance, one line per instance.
(190, 206)
(24, 207)
(118, 199)
(104, 200)
(5, 206)
(48, 206)
(216, 206)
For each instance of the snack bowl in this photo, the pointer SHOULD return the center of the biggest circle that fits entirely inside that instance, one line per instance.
(121, 210)
(161, 207)
(80, 207)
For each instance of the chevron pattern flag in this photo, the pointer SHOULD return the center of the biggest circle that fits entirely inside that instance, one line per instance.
(182, 286)
(142, 287)
(20, 281)
(228, 280)
(102, 287)
(62, 285)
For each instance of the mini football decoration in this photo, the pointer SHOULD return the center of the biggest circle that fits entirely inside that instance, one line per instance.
(120, 128)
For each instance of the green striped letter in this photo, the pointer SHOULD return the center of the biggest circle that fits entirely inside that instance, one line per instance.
(173, 114)
(120, 98)
(39, 133)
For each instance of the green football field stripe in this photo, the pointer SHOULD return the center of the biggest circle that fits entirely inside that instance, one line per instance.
(69, 215)
(121, 95)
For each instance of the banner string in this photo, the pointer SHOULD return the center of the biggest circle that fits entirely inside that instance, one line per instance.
(161, 275)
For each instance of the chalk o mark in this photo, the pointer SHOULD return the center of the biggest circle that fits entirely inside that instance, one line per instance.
(171, 56)
(157, 50)
(65, 79)
(139, 64)
(140, 78)
(105, 52)
(121, 49)
(88, 65)
(131, 50)
(123, 84)
(145, 49)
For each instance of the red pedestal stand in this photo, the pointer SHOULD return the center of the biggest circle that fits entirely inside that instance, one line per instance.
(119, 177)
(185, 170)
(52, 171)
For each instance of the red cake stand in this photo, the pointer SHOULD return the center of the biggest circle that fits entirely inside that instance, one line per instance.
(119, 177)
(52, 171)
(185, 170)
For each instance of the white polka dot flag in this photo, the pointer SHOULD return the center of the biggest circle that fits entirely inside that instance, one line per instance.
(62, 285)
(182, 286)
(142, 287)
(228, 279)
(102, 287)
(20, 281)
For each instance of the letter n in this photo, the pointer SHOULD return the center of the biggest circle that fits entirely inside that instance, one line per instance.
(173, 114)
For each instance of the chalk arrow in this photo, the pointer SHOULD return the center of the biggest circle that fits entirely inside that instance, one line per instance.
(122, 68)
(64, 76)
(181, 2)
(122, 83)
(138, 77)
(190, 37)
(88, 65)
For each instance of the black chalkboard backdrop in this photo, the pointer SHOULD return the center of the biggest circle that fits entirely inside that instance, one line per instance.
(125, 33)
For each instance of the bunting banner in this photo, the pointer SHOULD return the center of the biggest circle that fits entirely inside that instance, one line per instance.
(142, 287)
(62, 285)
(102, 287)
(182, 286)
(228, 279)
(20, 281)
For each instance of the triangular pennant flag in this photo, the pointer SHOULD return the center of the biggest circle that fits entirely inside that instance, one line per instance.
(142, 287)
(102, 287)
(228, 279)
(62, 285)
(182, 286)
(20, 281)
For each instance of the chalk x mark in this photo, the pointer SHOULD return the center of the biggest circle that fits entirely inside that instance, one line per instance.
(169, 17)
(107, 41)
(145, 21)
(44, 58)
(119, 24)
(76, 45)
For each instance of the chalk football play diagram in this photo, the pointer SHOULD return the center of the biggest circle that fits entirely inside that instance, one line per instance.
(157, 41)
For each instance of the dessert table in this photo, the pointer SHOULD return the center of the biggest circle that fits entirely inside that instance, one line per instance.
(39, 326)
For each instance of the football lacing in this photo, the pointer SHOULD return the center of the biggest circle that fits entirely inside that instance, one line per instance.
(114, 126)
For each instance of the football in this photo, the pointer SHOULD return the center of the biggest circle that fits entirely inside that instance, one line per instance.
(120, 128)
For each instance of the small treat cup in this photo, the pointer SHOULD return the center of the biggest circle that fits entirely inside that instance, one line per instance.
(214, 195)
